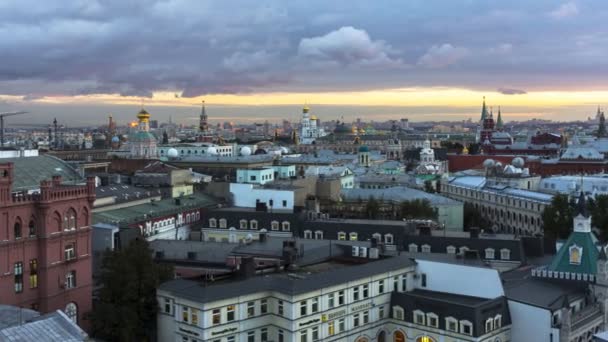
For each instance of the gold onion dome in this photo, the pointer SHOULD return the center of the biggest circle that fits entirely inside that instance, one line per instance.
(143, 115)
(306, 109)
(313, 117)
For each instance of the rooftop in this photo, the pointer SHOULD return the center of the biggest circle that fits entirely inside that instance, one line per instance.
(55, 326)
(397, 194)
(154, 209)
(30, 171)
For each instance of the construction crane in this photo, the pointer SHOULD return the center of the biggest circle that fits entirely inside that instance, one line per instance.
(2, 115)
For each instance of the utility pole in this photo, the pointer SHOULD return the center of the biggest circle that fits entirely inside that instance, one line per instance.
(2, 115)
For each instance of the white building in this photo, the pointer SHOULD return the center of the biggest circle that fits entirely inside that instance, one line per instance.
(249, 196)
(428, 165)
(142, 144)
(196, 149)
(284, 171)
(259, 175)
(336, 302)
(346, 175)
(310, 129)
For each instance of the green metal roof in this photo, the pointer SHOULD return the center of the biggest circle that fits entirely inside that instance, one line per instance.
(30, 171)
(154, 209)
(142, 136)
(588, 258)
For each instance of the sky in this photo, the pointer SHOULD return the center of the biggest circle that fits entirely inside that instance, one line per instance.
(80, 60)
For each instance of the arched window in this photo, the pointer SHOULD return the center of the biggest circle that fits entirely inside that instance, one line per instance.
(388, 239)
(381, 336)
(212, 223)
(69, 220)
(71, 310)
(319, 235)
(398, 336)
(223, 223)
(32, 228)
(85, 214)
(57, 221)
(17, 228)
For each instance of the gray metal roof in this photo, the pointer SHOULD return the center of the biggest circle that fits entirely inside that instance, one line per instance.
(30, 171)
(280, 283)
(396, 194)
(52, 327)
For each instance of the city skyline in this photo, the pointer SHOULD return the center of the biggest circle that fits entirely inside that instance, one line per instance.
(421, 53)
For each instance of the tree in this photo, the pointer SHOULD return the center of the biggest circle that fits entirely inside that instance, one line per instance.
(473, 218)
(428, 186)
(557, 217)
(474, 148)
(417, 209)
(598, 208)
(126, 308)
(372, 208)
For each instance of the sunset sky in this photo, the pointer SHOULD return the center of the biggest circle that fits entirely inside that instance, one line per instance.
(253, 60)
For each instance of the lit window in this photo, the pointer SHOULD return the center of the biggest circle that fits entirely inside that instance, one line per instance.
(216, 316)
(230, 313)
(353, 236)
(341, 236)
(33, 273)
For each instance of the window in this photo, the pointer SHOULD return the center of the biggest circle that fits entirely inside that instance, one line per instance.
(33, 273)
(230, 313)
(303, 308)
(216, 316)
(341, 325)
(497, 321)
(284, 204)
(398, 312)
(308, 234)
(230, 339)
(70, 280)
(315, 305)
(264, 334)
(423, 279)
(404, 283)
(381, 312)
(281, 336)
(451, 324)
(451, 250)
(71, 310)
(505, 254)
(355, 320)
(223, 223)
(419, 317)
(280, 307)
(466, 328)
(274, 225)
(356, 293)
(212, 223)
(250, 309)
(331, 328)
(253, 224)
(381, 286)
(263, 306)
(32, 228)
(365, 317)
(341, 297)
(426, 249)
(185, 314)
(194, 315)
(341, 236)
(388, 239)
(395, 283)
(330, 301)
(489, 253)
(304, 336)
(353, 236)
(285, 226)
(463, 249)
(365, 291)
(18, 271)
(319, 235)
(315, 334)
(251, 334)
(69, 252)
(17, 229)
(432, 320)
(413, 248)
(489, 325)
(243, 224)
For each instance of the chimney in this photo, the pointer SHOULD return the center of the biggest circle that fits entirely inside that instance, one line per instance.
(247, 267)
(56, 180)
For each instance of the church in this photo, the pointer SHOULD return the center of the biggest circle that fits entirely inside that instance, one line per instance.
(310, 128)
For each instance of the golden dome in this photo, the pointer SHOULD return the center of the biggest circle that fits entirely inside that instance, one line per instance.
(313, 117)
(465, 150)
(306, 109)
(361, 131)
(143, 115)
(354, 129)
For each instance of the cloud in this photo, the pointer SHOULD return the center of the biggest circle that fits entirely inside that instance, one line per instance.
(511, 91)
(348, 46)
(439, 56)
(565, 10)
(248, 61)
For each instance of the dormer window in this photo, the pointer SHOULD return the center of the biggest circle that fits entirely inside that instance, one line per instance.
(575, 253)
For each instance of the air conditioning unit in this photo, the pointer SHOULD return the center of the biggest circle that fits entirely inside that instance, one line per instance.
(373, 253)
(363, 252)
(355, 251)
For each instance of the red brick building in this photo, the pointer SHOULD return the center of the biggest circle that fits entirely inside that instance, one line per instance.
(45, 237)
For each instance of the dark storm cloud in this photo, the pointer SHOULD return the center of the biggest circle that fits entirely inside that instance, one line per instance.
(199, 47)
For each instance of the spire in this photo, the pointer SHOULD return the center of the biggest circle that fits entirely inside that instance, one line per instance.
(581, 207)
(601, 130)
(484, 110)
(499, 123)
(203, 124)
